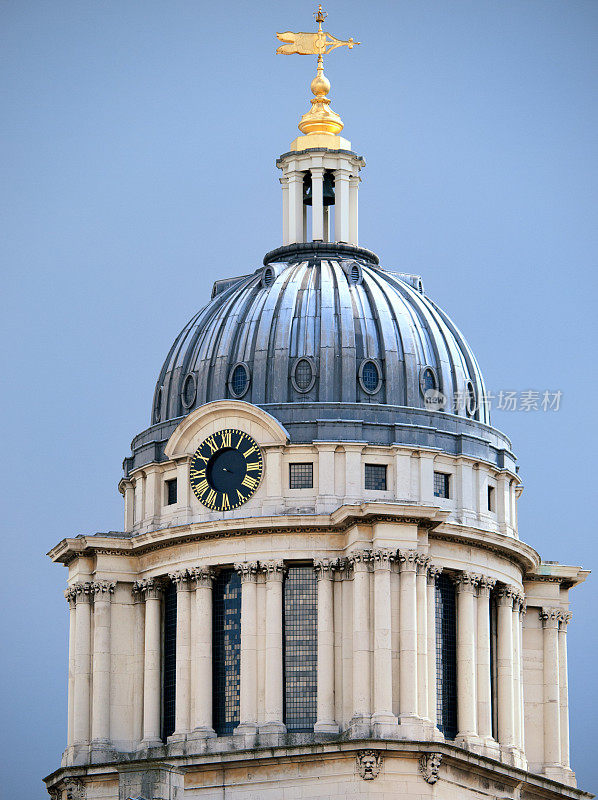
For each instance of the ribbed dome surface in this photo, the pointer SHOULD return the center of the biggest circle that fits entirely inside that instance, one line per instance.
(320, 331)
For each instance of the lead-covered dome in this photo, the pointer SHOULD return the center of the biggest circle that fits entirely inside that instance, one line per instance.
(321, 330)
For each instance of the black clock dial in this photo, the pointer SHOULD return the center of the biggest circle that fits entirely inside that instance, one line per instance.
(226, 470)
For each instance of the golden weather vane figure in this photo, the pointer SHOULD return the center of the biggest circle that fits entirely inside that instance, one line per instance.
(320, 118)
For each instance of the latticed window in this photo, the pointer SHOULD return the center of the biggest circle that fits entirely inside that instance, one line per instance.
(301, 476)
(239, 380)
(429, 380)
(169, 672)
(226, 650)
(370, 376)
(375, 477)
(441, 484)
(300, 651)
(171, 492)
(446, 657)
(303, 374)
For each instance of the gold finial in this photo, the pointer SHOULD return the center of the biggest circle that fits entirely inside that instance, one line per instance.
(320, 119)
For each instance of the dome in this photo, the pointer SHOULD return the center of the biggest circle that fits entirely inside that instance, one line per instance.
(321, 330)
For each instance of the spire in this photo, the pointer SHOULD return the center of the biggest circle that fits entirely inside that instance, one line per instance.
(321, 125)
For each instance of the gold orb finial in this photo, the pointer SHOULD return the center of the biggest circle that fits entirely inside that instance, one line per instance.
(320, 119)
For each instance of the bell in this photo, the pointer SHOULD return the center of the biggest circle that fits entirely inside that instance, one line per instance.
(327, 190)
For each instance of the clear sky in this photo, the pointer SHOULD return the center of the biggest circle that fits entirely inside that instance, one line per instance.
(139, 140)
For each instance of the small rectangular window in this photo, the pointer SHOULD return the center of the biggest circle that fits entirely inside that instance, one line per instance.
(375, 477)
(170, 492)
(301, 476)
(441, 484)
(491, 498)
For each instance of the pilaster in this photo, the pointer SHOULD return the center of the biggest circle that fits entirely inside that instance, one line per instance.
(325, 722)
(274, 571)
(248, 659)
(384, 722)
(202, 578)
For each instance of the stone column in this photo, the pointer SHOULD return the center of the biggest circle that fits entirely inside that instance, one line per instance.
(359, 561)
(285, 209)
(295, 184)
(82, 698)
(466, 666)
(564, 619)
(408, 643)
(518, 602)
(432, 575)
(354, 182)
(341, 205)
(202, 577)
(422, 636)
(138, 647)
(248, 656)
(552, 714)
(504, 663)
(384, 721)
(152, 590)
(100, 714)
(128, 491)
(273, 717)
(317, 203)
(325, 694)
(71, 598)
(484, 683)
(182, 705)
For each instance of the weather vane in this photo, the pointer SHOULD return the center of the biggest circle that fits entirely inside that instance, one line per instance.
(321, 118)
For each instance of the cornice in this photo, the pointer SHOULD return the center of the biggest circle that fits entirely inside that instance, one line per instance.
(527, 558)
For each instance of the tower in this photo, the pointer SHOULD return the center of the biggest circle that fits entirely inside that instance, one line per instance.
(320, 589)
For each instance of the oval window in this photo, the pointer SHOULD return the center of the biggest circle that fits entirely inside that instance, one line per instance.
(428, 380)
(471, 402)
(354, 273)
(189, 390)
(303, 376)
(268, 277)
(238, 382)
(158, 405)
(370, 376)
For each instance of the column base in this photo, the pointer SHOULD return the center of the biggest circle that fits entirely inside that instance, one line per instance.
(412, 727)
(145, 744)
(272, 727)
(558, 773)
(487, 746)
(468, 741)
(326, 727)
(246, 729)
(202, 732)
(99, 749)
(385, 725)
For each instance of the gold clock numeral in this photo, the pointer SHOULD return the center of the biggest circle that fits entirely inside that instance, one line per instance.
(202, 487)
(210, 498)
(226, 438)
(252, 449)
(225, 502)
(242, 497)
(249, 481)
(253, 466)
(202, 457)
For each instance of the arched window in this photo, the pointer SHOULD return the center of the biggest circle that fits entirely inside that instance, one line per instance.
(428, 379)
(226, 651)
(446, 656)
(300, 649)
(169, 670)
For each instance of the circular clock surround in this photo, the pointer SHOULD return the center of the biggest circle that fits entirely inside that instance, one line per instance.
(226, 469)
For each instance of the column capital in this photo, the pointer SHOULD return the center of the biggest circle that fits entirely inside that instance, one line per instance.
(466, 582)
(202, 577)
(102, 590)
(181, 579)
(519, 603)
(407, 560)
(360, 560)
(485, 585)
(433, 573)
(423, 562)
(383, 558)
(317, 171)
(325, 568)
(564, 619)
(70, 595)
(83, 592)
(505, 595)
(247, 571)
(274, 570)
(550, 617)
(149, 588)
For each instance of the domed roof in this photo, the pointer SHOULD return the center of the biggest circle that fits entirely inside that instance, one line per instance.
(321, 330)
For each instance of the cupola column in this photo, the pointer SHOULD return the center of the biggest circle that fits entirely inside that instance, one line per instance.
(422, 636)
(183, 656)
(564, 688)
(81, 700)
(152, 591)
(504, 663)
(203, 578)
(552, 715)
(296, 208)
(432, 574)
(384, 721)
(466, 667)
(354, 182)
(273, 722)
(360, 561)
(71, 598)
(341, 211)
(484, 685)
(100, 717)
(408, 641)
(317, 207)
(518, 603)
(284, 182)
(248, 657)
(325, 692)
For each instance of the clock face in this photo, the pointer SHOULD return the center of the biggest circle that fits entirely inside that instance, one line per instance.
(226, 469)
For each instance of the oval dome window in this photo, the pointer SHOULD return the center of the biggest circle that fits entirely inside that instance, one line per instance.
(303, 376)
(239, 380)
(189, 390)
(369, 376)
(471, 402)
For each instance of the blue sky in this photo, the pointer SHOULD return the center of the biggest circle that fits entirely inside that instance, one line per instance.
(139, 141)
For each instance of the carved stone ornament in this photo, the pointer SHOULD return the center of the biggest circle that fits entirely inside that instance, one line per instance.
(423, 562)
(181, 579)
(466, 581)
(383, 558)
(550, 617)
(247, 570)
(103, 589)
(368, 764)
(150, 588)
(433, 573)
(429, 766)
(408, 560)
(274, 570)
(485, 584)
(75, 789)
(55, 793)
(70, 595)
(202, 576)
(325, 567)
(360, 559)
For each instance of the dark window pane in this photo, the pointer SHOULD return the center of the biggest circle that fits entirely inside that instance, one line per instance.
(303, 374)
(169, 672)
(441, 484)
(429, 380)
(446, 657)
(301, 476)
(490, 498)
(375, 477)
(370, 376)
(171, 495)
(226, 650)
(300, 623)
(239, 380)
